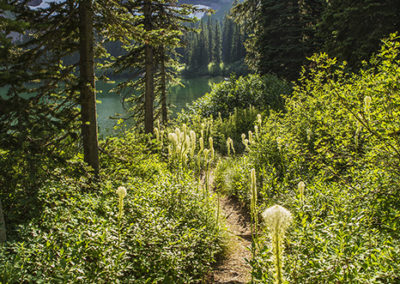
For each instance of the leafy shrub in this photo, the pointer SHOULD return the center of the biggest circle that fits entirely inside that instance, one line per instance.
(263, 93)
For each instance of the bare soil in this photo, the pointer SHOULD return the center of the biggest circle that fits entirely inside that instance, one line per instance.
(233, 267)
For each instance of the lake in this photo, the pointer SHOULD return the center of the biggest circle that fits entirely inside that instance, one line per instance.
(111, 104)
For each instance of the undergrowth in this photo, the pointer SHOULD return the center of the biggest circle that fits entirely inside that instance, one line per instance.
(167, 232)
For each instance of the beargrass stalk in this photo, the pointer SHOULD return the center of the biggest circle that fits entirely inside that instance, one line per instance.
(256, 131)
(211, 145)
(228, 145)
(301, 186)
(259, 120)
(253, 213)
(192, 143)
(206, 153)
(367, 106)
(253, 202)
(251, 140)
(277, 220)
(121, 191)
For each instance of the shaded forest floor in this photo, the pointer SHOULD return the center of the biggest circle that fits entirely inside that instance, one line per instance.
(233, 267)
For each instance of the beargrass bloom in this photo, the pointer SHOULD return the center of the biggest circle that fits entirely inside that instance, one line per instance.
(121, 191)
(277, 220)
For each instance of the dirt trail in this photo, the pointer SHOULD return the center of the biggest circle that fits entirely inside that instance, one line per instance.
(233, 268)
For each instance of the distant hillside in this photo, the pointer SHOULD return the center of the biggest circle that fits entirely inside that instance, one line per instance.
(221, 7)
(215, 4)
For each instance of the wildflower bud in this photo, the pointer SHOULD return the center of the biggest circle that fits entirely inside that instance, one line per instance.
(192, 142)
(121, 191)
(259, 121)
(206, 152)
(201, 141)
(184, 127)
(210, 142)
(301, 186)
(251, 141)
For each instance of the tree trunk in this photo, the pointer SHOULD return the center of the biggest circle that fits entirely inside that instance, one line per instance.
(164, 109)
(87, 85)
(2, 226)
(149, 70)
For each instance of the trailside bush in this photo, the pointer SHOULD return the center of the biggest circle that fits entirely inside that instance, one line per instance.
(263, 92)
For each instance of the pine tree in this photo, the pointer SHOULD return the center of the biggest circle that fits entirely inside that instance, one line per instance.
(217, 48)
(227, 36)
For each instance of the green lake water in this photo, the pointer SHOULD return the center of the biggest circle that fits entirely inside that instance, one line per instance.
(110, 105)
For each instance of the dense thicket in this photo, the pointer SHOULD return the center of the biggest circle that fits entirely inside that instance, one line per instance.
(284, 33)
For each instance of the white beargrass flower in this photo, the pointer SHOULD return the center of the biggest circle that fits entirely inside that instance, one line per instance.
(121, 191)
(277, 220)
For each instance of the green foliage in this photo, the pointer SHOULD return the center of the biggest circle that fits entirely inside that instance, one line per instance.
(264, 92)
(282, 34)
(167, 232)
(343, 36)
(232, 177)
(339, 136)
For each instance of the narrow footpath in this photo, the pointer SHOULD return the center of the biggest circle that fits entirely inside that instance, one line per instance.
(233, 268)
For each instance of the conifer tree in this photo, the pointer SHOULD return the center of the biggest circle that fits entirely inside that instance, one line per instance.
(227, 37)
(150, 54)
(217, 48)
